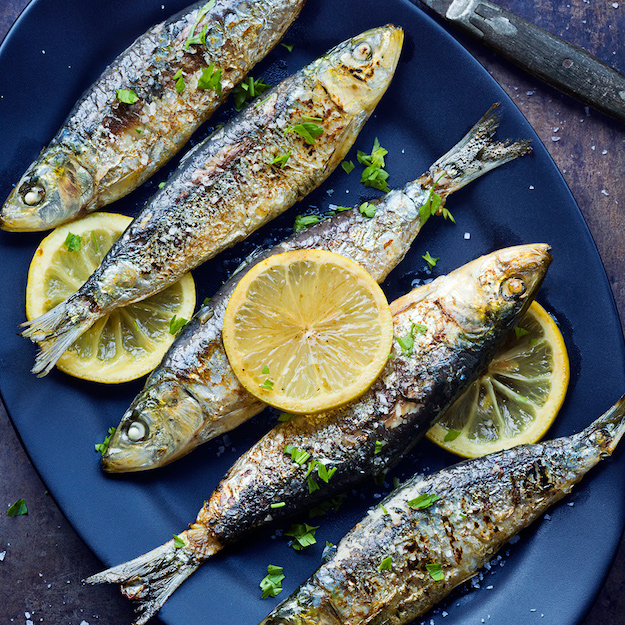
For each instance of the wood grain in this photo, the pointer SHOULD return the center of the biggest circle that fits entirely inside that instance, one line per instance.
(45, 560)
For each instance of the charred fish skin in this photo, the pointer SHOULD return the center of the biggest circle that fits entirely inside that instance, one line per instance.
(194, 395)
(483, 504)
(228, 186)
(106, 147)
(464, 316)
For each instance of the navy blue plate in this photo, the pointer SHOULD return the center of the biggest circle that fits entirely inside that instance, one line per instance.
(56, 49)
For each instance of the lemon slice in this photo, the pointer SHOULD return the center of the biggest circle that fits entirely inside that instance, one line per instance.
(516, 399)
(307, 330)
(125, 344)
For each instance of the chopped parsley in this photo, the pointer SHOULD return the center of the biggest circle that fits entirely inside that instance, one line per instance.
(94, 239)
(201, 37)
(383, 509)
(519, 332)
(104, 445)
(303, 535)
(280, 160)
(72, 242)
(300, 456)
(308, 130)
(433, 203)
(18, 508)
(378, 479)
(407, 342)
(386, 564)
(429, 260)
(265, 370)
(127, 96)
(436, 571)
(301, 221)
(279, 504)
(178, 542)
(271, 584)
(246, 90)
(262, 101)
(423, 501)
(179, 81)
(206, 301)
(267, 384)
(374, 174)
(312, 484)
(451, 435)
(325, 506)
(210, 79)
(368, 210)
(176, 324)
(323, 472)
(378, 446)
(348, 166)
(288, 46)
(283, 417)
(161, 185)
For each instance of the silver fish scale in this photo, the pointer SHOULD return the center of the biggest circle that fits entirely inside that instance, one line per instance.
(483, 503)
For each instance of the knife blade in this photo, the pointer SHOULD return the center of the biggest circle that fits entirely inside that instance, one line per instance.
(559, 63)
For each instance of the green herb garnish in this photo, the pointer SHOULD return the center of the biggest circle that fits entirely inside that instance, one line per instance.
(324, 473)
(18, 508)
(303, 535)
(127, 96)
(386, 564)
(451, 435)
(283, 417)
(383, 509)
(429, 260)
(176, 324)
(104, 445)
(436, 571)
(267, 384)
(280, 160)
(308, 130)
(325, 506)
(262, 101)
(301, 221)
(210, 79)
(180, 85)
(519, 332)
(288, 46)
(178, 542)
(72, 242)
(271, 584)
(201, 37)
(368, 210)
(378, 446)
(374, 174)
(312, 484)
(423, 501)
(407, 342)
(300, 456)
(279, 504)
(348, 166)
(161, 185)
(94, 239)
(246, 90)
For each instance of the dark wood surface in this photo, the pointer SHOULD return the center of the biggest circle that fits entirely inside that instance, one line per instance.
(42, 560)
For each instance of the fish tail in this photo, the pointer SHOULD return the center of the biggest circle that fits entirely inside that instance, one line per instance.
(56, 330)
(607, 430)
(474, 155)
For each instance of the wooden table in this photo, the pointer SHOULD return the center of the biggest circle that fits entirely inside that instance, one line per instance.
(42, 560)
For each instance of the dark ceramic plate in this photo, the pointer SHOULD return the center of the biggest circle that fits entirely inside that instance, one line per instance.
(551, 576)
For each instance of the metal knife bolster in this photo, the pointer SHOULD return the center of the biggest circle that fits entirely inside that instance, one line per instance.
(552, 59)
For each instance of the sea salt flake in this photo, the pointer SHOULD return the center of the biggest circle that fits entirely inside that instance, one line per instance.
(514, 539)
(84, 623)
(556, 138)
(467, 235)
(2, 554)
(605, 192)
(531, 187)
(615, 5)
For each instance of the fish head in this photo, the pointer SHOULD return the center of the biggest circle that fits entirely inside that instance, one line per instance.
(161, 425)
(495, 290)
(53, 191)
(357, 72)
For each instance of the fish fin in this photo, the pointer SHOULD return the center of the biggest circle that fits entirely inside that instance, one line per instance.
(609, 428)
(56, 330)
(475, 154)
(151, 578)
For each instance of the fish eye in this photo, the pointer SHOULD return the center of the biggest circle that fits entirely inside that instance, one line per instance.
(513, 287)
(362, 52)
(33, 195)
(137, 431)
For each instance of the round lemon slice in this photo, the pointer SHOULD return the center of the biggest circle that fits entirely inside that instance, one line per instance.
(516, 399)
(307, 330)
(125, 344)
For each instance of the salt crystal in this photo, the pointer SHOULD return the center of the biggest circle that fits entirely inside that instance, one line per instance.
(547, 517)
(27, 614)
(555, 138)
(444, 614)
(84, 623)
(2, 554)
(514, 539)
(571, 504)
(489, 587)
(467, 235)
(605, 192)
(533, 610)
(604, 152)
(529, 93)
(615, 5)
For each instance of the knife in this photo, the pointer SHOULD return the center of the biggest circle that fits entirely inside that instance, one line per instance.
(559, 63)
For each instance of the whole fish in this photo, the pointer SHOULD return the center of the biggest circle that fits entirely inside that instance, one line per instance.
(194, 394)
(478, 506)
(231, 184)
(461, 318)
(144, 108)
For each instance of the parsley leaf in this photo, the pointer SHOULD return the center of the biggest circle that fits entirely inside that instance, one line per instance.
(180, 85)
(265, 370)
(104, 445)
(386, 564)
(267, 384)
(18, 508)
(280, 160)
(407, 342)
(378, 446)
(246, 90)
(201, 38)
(279, 504)
(297, 455)
(288, 46)
(283, 417)
(519, 332)
(436, 571)
(301, 221)
(178, 542)
(368, 210)
(271, 584)
(161, 185)
(429, 260)
(325, 506)
(303, 535)
(176, 324)
(308, 130)
(432, 204)
(72, 241)
(94, 240)
(348, 166)
(452, 435)
(423, 501)
(210, 79)
(127, 96)
(374, 174)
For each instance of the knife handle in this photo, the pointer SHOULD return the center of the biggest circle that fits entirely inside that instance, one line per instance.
(559, 63)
